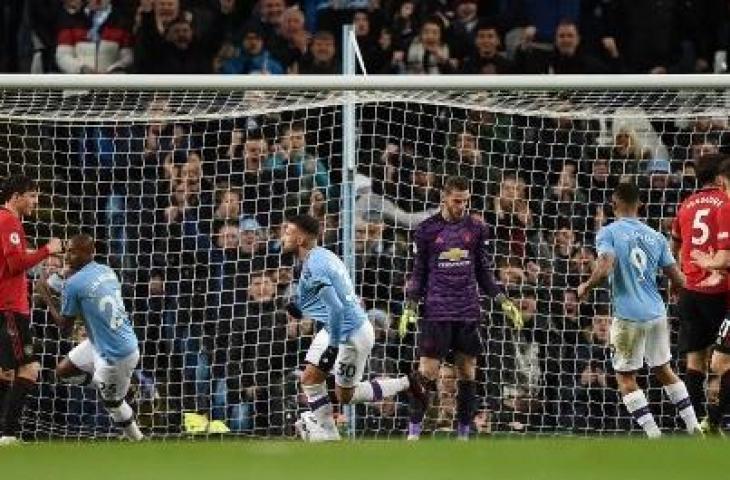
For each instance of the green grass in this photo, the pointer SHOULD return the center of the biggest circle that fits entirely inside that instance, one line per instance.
(534, 459)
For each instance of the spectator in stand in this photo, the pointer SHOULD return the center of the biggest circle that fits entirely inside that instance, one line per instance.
(513, 220)
(540, 19)
(463, 29)
(166, 41)
(270, 14)
(374, 56)
(564, 244)
(264, 336)
(251, 242)
(247, 165)
(292, 30)
(580, 266)
(565, 58)
(321, 58)
(510, 272)
(660, 194)
(310, 172)
(392, 59)
(487, 58)
(596, 397)
(96, 39)
(428, 53)
(404, 27)
(464, 158)
(565, 199)
(628, 152)
(254, 58)
(599, 182)
(42, 28)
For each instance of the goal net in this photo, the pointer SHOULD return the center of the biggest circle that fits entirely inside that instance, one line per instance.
(186, 192)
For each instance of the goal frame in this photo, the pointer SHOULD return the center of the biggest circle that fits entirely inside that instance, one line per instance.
(350, 84)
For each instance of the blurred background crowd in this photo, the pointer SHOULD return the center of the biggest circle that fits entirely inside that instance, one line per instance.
(395, 36)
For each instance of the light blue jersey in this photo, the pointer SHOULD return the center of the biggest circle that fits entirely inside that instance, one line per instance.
(327, 296)
(94, 293)
(639, 251)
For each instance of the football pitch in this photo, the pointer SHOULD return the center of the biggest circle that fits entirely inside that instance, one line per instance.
(529, 458)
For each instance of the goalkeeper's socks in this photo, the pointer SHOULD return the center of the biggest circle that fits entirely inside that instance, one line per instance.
(414, 430)
(14, 404)
(379, 389)
(639, 408)
(320, 405)
(465, 398)
(417, 408)
(695, 382)
(677, 393)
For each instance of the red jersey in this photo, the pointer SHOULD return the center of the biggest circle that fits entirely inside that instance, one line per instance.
(696, 228)
(722, 218)
(14, 261)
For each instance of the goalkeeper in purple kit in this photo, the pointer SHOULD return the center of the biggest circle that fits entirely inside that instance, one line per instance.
(451, 266)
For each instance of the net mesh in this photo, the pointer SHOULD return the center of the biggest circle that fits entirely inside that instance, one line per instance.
(187, 191)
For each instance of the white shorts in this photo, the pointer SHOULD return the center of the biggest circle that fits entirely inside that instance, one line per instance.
(112, 379)
(634, 342)
(352, 356)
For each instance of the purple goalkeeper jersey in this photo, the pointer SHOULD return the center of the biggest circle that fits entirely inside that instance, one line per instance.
(451, 266)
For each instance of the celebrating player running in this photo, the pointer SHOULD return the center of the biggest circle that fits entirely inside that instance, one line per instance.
(326, 295)
(107, 359)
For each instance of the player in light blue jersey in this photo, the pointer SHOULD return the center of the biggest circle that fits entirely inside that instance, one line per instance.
(108, 357)
(630, 254)
(327, 296)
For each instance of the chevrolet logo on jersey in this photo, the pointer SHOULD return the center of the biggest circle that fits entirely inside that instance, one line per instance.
(453, 257)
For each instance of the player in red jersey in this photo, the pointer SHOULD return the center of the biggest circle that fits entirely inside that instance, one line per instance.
(703, 302)
(719, 260)
(18, 197)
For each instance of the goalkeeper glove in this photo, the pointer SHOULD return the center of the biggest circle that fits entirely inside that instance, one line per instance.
(409, 315)
(511, 311)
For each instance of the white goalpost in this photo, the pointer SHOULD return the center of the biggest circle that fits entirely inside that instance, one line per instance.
(186, 181)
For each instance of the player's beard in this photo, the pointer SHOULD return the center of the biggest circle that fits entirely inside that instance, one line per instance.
(455, 215)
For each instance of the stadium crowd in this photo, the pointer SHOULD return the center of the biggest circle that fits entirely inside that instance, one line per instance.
(395, 36)
(190, 212)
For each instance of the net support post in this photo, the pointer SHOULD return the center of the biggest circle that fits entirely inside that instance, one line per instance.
(349, 161)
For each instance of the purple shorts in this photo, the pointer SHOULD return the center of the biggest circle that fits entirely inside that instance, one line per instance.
(437, 339)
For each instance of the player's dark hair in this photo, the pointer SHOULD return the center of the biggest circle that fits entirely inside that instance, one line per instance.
(306, 223)
(456, 184)
(724, 168)
(707, 166)
(628, 193)
(19, 184)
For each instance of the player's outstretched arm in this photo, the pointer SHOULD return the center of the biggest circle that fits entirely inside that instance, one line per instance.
(601, 269)
(18, 261)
